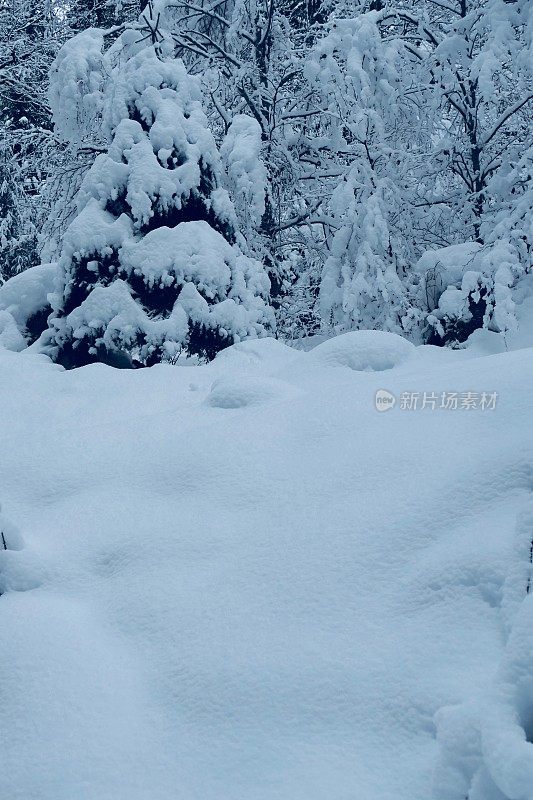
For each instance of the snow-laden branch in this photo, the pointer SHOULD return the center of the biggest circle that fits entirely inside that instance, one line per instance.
(394, 15)
(504, 117)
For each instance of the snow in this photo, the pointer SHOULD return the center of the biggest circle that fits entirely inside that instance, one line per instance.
(94, 231)
(365, 350)
(241, 152)
(119, 321)
(190, 250)
(448, 264)
(27, 293)
(76, 92)
(245, 391)
(238, 580)
(254, 352)
(10, 336)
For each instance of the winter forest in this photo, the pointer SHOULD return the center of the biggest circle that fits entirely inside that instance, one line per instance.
(204, 173)
(266, 436)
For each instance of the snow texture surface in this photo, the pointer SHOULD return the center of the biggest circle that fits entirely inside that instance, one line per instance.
(239, 581)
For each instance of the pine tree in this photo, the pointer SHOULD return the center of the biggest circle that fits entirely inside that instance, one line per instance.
(151, 264)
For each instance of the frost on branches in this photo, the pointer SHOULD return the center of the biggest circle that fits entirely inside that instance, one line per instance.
(151, 266)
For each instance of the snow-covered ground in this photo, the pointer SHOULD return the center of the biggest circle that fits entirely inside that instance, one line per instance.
(241, 581)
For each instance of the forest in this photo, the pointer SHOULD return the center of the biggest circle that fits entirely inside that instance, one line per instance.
(320, 167)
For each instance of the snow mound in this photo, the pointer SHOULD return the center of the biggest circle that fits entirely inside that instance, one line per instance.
(26, 294)
(238, 392)
(369, 351)
(256, 351)
(483, 342)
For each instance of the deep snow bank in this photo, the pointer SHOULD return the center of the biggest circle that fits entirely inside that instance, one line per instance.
(241, 581)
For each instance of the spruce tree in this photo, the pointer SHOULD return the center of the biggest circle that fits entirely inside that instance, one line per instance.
(151, 266)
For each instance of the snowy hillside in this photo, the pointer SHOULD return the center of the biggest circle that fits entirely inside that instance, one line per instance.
(241, 581)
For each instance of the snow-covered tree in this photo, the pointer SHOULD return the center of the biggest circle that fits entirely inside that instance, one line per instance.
(479, 55)
(360, 285)
(153, 265)
(431, 101)
(250, 55)
(359, 83)
(77, 78)
(29, 36)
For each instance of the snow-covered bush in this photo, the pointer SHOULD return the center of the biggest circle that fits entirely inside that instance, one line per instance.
(25, 298)
(469, 286)
(151, 265)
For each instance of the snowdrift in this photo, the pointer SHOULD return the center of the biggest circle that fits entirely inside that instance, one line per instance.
(241, 581)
